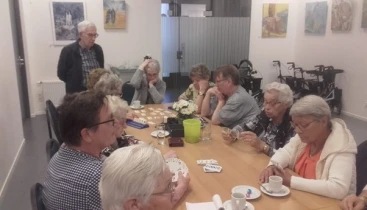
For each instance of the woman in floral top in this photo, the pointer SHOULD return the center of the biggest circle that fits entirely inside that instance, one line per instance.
(271, 129)
(200, 75)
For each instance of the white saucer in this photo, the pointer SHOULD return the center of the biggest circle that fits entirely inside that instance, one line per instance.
(228, 205)
(154, 133)
(284, 192)
(137, 108)
(255, 193)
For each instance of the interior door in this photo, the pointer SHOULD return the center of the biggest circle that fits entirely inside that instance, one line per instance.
(19, 58)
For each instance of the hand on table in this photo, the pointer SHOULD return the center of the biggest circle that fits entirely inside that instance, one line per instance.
(227, 138)
(170, 154)
(285, 175)
(352, 202)
(252, 138)
(266, 173)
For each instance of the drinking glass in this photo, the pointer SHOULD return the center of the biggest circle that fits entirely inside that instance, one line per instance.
(206, 132)
(161, 134)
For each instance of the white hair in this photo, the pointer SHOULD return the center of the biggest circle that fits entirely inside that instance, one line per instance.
(311, 105)
(130, 172)
(109, 84)
(285, 94)
(119, 107)
(154, 64)
(82, 26)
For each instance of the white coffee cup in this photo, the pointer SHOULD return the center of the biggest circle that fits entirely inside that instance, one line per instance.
(275, 183)
(136, 104)
(238, 201)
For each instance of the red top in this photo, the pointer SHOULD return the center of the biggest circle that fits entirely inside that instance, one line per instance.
(306, 165)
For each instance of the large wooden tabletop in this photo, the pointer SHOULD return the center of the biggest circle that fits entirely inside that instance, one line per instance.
(241, 166)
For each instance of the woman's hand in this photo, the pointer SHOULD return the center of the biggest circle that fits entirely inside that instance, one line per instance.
(182, 186)
(285, 175)
(266, 173)
(227, 138)
(144, 64)
(352, 202)
(251, 137)
(203, 85)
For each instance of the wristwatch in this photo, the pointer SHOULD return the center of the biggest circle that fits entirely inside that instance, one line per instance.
(201, 94)
(364, 199)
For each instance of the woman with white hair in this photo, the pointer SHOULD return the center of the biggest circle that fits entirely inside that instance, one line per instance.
(322, 153)
(149, 88)
(271, 129)
(138, 178)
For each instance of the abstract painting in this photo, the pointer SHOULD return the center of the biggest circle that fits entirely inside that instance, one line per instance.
(66, 15)
(316, 16)
(275, 20)
(341, 15)
(114, 13)
(364, 14)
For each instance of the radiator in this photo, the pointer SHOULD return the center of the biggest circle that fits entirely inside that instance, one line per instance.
(53, 90)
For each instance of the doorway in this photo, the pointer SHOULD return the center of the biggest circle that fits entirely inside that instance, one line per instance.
(14, 9)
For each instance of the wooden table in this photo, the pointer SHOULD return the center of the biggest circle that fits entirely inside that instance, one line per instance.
(241, 166)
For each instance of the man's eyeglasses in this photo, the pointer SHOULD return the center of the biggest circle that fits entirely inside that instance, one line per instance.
(221, 80)
(100, 123)
(302, 127)
(92, 35)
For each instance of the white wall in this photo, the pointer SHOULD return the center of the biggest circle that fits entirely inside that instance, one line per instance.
(11, 129)
(345, 50)
(264, 50)
(142, 36)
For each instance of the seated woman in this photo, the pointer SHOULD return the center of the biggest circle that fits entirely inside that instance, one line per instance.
(200, 75)
(94, 77)
(137, 177)
(149, 88)
(352, 202)
(322, 153)
(271, 129)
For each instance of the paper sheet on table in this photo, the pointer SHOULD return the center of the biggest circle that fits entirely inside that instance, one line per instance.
(215, 205)
(200, 206)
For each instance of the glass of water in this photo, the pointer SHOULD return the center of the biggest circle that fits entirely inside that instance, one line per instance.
(161, 134)
(206, 132)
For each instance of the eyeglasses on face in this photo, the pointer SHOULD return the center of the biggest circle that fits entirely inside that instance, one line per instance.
(112, 121)
(302, 127)
(220, 80)
(90, 35)
(271, 104)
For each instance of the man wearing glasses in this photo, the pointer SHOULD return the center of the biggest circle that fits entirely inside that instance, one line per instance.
(87, 127)
(228, 103)
(78, 59)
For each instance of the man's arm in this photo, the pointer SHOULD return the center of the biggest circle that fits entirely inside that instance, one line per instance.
(215, 118)
(62, 67)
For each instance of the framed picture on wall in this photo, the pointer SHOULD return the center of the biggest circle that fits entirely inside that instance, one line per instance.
(114, 14)
(65, 16)
(316, 17)
(341, 15)
(275, 20)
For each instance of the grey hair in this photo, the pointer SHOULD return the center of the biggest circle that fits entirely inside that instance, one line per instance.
(130, 172)
(311, 105)
(154, 64)
(82, 26)
(109, 84)
(119, 107)
(285, 94)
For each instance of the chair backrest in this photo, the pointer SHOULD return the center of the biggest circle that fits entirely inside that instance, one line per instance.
(53, 118)
(127, 92)
(361, 164)
(36, 197)
(52, 146)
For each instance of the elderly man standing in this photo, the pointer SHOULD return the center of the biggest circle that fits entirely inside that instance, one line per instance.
(228, 102)
(79, 58)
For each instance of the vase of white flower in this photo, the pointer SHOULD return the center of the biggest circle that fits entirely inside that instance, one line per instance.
(185, 110)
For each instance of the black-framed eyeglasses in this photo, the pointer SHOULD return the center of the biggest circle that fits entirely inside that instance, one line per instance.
(271, 104)
(169, 190)
(302, 127)
(100, 123)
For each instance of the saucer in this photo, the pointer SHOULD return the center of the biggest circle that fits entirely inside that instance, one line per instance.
(255, 193)
(228, 205)
(154, 133)
(137, 108)
(283, 192)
